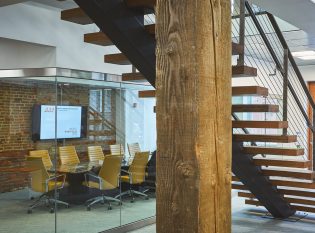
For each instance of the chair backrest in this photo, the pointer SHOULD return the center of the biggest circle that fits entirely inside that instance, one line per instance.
(68, 155)
(132, 148)
(110, 171)
(95, 153)
(138, 166)
(39, 175)
(44, 154)
(117, 149)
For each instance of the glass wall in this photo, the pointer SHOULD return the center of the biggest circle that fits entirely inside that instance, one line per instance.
(79, 145)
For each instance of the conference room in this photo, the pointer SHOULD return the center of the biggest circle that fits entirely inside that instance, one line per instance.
(77, 151)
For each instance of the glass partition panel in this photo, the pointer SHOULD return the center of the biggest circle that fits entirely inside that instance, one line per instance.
(77, 151)
(27, 187)
(138, 177)
(88, 123)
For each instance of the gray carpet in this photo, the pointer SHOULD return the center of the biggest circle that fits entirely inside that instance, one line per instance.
(76, 219)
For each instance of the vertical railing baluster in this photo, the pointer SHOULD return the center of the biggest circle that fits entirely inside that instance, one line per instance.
(241, 58)
(285, 88)
(313, 141)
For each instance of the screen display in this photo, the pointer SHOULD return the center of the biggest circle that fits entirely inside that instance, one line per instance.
(71, 122)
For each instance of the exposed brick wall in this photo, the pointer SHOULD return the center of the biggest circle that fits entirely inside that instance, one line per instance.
(16, 102)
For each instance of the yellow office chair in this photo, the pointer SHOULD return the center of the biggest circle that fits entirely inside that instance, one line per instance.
(44, 154)
(136, 174)
(68, 155)
(132, 148)
(107, 179)
(42, 182)
(95, 153)
(117, 149)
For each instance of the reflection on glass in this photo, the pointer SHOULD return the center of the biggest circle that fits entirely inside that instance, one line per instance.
(27, 188)
(77, 154)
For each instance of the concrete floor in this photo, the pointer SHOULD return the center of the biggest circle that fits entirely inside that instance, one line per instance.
(14, 219)
(247, 219)
(76, 219)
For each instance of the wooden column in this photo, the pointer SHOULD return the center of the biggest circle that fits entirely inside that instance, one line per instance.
(193, 116)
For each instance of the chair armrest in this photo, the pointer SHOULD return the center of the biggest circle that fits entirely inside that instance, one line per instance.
(55, 178)
(123, 170)
(94, 176)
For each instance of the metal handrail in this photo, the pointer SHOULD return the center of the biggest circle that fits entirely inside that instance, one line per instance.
(278, 63)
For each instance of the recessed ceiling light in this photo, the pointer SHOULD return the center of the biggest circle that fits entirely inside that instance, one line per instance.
(313, 1)
(307, 58)
(305, 55)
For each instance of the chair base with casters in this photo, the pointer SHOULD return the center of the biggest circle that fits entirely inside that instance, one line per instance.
(131, 193)
(101, 199)
(49, 201)
(44, 183)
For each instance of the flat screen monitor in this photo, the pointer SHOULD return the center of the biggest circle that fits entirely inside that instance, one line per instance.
(71, 122)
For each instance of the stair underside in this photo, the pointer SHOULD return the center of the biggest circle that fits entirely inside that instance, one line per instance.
(101, 133)
(305, 184)
(297, 207)
(289, 199)
(260, 124)
(122, 60)
(76, 15)
(264, 138)
(99, 38)
(282, 163)
(287, 173)
(303, 174)
(140, 3)
(273, 151)
(236, 91)
(255, 108)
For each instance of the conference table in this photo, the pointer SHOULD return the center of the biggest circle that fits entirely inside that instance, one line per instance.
(75, 191)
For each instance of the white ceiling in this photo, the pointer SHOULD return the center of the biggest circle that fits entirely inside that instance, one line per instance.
(66, 4)
(301, 14)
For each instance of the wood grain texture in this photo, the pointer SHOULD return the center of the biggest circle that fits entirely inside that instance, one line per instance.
(264, 138)
(76, 15)
(236, 91)
(297, 207)
(282, 163)
(255, 108)
(260, 124)
(98, 38)
(273, 150)
(193, 90)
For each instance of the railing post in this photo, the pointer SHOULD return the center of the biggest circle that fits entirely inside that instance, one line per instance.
(241, 58)
(313, 141)
(285, 88)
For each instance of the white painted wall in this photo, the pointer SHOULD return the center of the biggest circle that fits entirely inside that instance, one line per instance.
(20, 54)
(140, 121)
(42, 26)
(308, 72)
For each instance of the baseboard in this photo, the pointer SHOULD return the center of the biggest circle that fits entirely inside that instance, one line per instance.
(132, 226)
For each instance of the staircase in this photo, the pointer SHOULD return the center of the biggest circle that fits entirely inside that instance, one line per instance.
(272, 165)
(100, 129)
